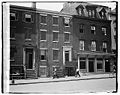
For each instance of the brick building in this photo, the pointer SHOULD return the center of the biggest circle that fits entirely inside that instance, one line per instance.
(91, 36)
(77, 37)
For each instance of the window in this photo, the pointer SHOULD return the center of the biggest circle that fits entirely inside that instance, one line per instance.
(13, 16)
(66, 21)
(55, 55)
(43, 35)
(43, 19)
(28, 33)
(66, 56)
(99, 64)
(93, 29)
(93, 46)
(81, 45)
(12, 53)
(55, 20)
(104, 31)
(66, 37)
(80, 11)
(55, 36)
(82, 63)
(93, 13)
(104, 47)
(28, 18)
(89, 13)
(12, 32)
(81, 28)
(43, 54)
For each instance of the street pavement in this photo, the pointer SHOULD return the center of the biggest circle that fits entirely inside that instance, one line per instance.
(91, 85)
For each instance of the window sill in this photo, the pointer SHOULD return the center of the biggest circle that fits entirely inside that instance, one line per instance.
(55, 41)
(55, 25)
(43, 60)
(66, 42)
(27, 39)
(43, 23)
(67, 26)
(43, 40)
(56, 60)
(12, 60)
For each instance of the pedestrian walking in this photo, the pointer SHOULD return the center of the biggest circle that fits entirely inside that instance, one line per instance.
(55, 73)
(114, 70)
(77, 72)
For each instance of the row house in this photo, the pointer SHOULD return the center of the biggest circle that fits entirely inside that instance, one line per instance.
(38, 39)
(91, 36)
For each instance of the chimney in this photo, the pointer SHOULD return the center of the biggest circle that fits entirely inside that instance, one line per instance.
(34, 5)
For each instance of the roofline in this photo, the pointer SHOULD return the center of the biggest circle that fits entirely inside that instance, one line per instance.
(23, 8)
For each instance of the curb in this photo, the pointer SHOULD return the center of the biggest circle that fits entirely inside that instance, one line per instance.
(60, 80)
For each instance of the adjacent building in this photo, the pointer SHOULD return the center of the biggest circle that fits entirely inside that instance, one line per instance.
(77, 37)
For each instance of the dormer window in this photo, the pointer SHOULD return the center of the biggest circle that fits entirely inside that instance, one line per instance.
(80, 10)
(102, 14)
(91, 13)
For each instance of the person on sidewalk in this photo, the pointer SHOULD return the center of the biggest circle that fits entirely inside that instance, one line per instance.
(77, 72)
(114, 70)
(55, 73)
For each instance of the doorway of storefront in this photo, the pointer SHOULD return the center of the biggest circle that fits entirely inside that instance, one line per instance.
(70, 71)
(91, 66)
(107, 65)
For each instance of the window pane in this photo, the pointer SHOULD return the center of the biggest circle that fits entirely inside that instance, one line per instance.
(66, 55)
(99, 64)
(43, 54)
(12, 53)
(28, 33)
(28, 17)
(55, 54)
(81, 28)
(93, 46)
(43, 35)
(55, 36)
(66, 37)
(13, 16)
(81, 45)
(43, 19)
(104, 31)
(55, 20)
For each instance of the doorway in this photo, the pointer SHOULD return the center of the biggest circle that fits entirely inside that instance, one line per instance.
(29, 58)
(91, 66)
(107, 66)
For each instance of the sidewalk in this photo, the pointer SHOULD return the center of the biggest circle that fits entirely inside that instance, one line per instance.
(72, 78)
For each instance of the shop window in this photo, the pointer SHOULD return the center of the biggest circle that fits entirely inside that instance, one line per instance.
(43, 35)
(43, 54)
(99, 64)
(82, 63)
(93, 46)
(55, 55)
(93, 30)
(55, 36)
(81, 45)
(13, 16)
(66, 37)
(55, 20)
(28, 33)
(43, 19)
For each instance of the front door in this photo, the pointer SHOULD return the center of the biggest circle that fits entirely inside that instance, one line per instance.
(91, 66)
(107, 66)
(29, 58)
